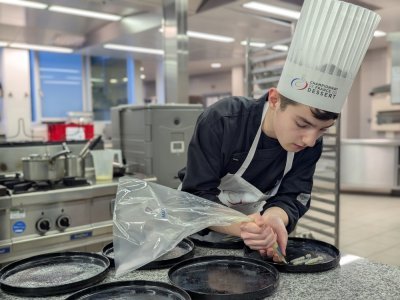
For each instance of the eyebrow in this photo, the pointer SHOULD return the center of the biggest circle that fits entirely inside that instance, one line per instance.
(313, 125)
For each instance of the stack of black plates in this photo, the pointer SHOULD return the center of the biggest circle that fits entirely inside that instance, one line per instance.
(298, 247)
(225, 277)
(182, 251)
(53, 274)
(138, 289)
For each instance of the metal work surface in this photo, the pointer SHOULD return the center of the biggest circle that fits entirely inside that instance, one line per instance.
(55, 220)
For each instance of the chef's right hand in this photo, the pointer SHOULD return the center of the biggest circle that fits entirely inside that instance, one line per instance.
(257, 235)
(275, 218)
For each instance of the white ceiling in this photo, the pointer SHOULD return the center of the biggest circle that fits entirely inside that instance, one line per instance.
(142, 21)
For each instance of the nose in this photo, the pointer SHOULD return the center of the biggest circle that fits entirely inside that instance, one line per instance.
(310, 137)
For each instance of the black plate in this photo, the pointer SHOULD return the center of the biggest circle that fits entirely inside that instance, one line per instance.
(137, 289)
(297, 247)
(182, 251)
(53, 274)
(234, 243)
(225, 278)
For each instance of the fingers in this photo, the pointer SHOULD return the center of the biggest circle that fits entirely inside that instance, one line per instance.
(257, 237)
(270, 252)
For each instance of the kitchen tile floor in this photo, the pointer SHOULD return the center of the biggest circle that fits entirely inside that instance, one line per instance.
(370, 227)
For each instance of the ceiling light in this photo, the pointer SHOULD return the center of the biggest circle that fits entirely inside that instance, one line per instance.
(41, 48)
(142, 76)
(379, 33)
(29, 4)
(211, 37)
(280, 47)
(113, 81)
(125, 79)
(3, 44)
(134, 49)
(253, 44)
(216, 65)
(141, 69)
(85, 13)
(275, 10)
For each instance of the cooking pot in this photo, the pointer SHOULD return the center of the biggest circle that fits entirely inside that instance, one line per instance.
(44, 167)
(75, 165)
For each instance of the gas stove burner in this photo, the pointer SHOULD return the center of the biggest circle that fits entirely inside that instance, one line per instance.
(17, 185)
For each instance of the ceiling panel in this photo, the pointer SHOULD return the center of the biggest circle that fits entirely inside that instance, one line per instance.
(143, 19)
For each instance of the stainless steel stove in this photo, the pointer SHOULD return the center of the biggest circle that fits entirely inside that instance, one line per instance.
(50, 217)
(44, 216)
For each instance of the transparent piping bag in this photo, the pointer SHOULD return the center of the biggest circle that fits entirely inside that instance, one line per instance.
(151, 219)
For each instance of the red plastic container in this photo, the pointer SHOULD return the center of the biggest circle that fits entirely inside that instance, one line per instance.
(60, 132)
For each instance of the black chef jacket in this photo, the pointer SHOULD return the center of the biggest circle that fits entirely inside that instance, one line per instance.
(222, 138)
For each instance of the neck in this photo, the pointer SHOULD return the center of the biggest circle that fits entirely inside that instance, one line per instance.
(267, 126)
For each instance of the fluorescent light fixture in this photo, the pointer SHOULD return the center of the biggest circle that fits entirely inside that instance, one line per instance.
(85, 13)
(253, 44)
(216, 65)
(141, 69)
(347, 259)
(142, 76)
(125, 79)
(29, 4)
(134, 49)
(3, 44)
(41, 48)
(211, 37)
(379, 33)
(113, 81)
(280, 47)
(275, 10)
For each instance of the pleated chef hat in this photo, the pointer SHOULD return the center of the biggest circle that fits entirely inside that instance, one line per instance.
(329, 43)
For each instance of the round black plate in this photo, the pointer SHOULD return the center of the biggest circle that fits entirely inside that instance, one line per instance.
(53, 274)
(137, 289)
(182, 251)
(234, 243)
(225, 277)
(298, 247)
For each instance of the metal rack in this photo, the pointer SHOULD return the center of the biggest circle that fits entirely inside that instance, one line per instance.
(263, 69)
(322, 219)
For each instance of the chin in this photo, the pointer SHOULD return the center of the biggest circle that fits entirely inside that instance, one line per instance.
(293, 148)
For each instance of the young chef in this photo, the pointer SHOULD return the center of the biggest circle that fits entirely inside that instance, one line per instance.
(259, 156)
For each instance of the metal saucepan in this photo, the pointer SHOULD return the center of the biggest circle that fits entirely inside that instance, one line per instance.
(44, 167)
(75, 165)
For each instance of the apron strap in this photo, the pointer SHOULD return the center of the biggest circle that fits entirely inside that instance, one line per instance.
(253, 147)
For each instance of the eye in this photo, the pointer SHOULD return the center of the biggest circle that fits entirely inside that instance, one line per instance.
(301, 125)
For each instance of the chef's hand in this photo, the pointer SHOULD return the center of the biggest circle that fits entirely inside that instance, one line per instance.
(277, 219)
(257, 235)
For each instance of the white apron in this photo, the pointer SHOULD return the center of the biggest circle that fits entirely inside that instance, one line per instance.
(241, 195)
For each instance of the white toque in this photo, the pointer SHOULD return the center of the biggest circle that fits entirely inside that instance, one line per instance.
(329, 43)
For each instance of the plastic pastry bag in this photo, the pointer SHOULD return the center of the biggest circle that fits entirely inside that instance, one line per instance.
(151, 219)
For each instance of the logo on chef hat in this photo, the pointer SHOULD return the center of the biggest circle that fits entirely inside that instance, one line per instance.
(299, 83)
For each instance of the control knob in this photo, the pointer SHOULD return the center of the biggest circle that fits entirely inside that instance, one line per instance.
(62, 222)
(43, 225)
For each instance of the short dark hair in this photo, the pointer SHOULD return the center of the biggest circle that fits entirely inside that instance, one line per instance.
(318, 113)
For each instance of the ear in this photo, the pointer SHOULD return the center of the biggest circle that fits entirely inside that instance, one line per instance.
(273, 98)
